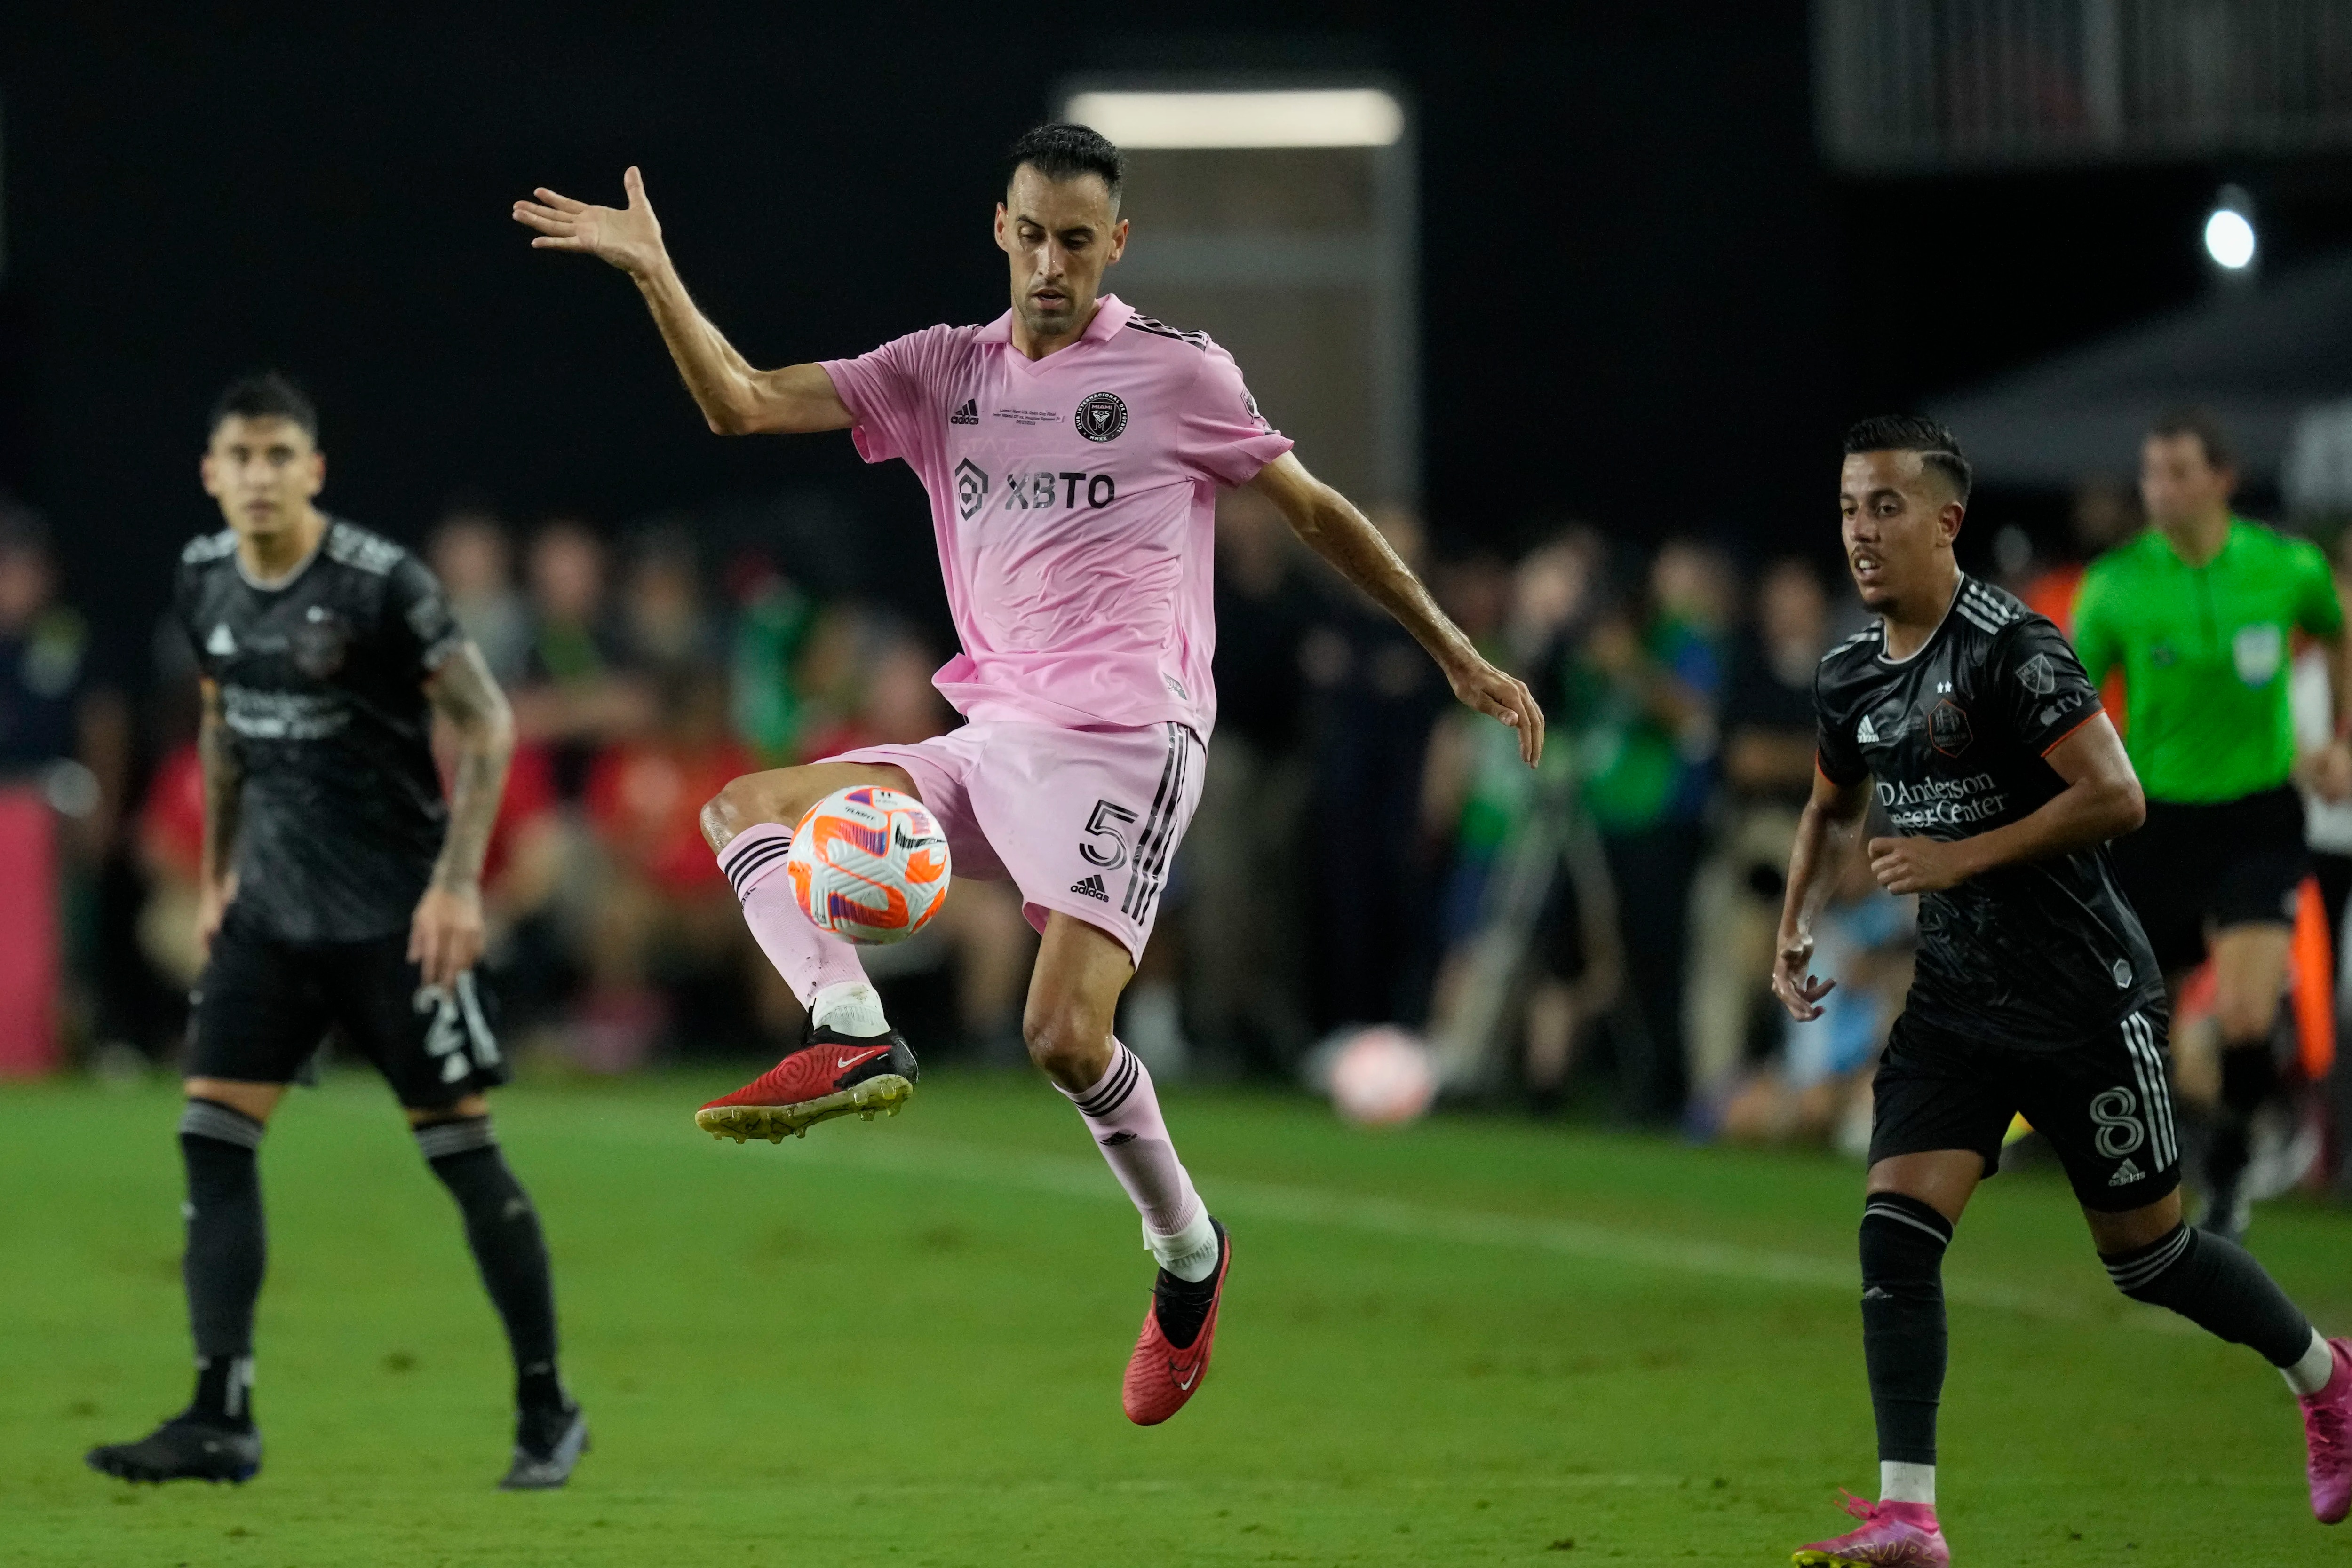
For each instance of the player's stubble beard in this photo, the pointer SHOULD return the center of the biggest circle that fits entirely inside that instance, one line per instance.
(1042, 322)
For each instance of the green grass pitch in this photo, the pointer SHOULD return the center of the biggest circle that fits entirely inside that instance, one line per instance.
(1475, 1341)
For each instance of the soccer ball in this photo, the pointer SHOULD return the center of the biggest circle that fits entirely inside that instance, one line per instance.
(868, 864)
(1382, 1077)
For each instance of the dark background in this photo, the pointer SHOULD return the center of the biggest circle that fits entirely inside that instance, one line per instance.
(1646, 300)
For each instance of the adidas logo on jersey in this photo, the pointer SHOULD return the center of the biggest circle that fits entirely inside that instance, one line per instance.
(2125, 1174)
(221, 643)
(968, 414)
(1866, 732)
(1090, 887)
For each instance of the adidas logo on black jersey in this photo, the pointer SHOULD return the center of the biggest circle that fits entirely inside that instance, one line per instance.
(1866, 732)
(968, 414)
(2125, 1174)
(1090, 887)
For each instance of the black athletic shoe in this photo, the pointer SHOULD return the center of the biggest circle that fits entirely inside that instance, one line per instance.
(548, 1443)
(182, 1450)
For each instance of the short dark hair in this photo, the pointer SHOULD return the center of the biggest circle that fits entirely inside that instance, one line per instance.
(2220, 451)
(265, 394)
(1937, 447)
(1063, 151)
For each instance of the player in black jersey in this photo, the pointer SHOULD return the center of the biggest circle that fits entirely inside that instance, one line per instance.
(1967, 719)
(338, 891)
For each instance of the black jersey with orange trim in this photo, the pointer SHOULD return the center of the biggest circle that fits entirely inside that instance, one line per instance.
(1954, 739)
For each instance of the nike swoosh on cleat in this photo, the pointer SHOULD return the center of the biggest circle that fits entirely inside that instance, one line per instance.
(1183, 1380)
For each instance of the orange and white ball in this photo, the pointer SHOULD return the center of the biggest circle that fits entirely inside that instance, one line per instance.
(868, 864)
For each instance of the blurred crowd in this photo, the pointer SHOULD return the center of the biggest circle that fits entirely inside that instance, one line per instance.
(1594, 935)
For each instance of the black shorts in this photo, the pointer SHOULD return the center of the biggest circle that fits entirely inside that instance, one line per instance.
(2104, 1104)
(261, 1007)
(2191, 867)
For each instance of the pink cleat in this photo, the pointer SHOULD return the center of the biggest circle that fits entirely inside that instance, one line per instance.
(2328, 1432)
(1892, 1535)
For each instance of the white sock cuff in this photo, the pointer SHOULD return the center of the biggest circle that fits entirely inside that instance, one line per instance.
(755, 853)
(1191, 1254)
(1901, 1483)
(849, 1007)
(2315, 1371)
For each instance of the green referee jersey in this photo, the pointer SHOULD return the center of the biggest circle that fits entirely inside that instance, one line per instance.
(2205, 655)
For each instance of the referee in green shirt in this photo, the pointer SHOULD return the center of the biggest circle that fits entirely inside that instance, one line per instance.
(2200, 611)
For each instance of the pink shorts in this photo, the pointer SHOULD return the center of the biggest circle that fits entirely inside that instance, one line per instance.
(1081, 821)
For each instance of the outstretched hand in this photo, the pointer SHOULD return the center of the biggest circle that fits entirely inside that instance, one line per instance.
(629, 237)
(1481, 686)
(1800, 990)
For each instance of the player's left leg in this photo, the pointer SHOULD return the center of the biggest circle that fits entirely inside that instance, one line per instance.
(502, 1229)
(2108, 1113)
(2154, 1257)
(435, 1047)
(1073, 1000)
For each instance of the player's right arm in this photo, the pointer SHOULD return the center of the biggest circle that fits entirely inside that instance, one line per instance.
(1825, 835)
(736, 398)
(224, 780)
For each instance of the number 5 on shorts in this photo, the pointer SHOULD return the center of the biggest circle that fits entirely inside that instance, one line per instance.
(1104, 824)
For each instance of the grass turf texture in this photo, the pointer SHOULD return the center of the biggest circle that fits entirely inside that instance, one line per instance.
(1473, 1341)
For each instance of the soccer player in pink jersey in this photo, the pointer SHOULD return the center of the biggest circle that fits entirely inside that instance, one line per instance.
(1072, 449)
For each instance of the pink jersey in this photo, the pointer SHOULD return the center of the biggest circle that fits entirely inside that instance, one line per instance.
(1074, 497)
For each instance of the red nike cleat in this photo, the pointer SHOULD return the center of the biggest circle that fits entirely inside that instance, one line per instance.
(833, 1075)
(1161, 1375)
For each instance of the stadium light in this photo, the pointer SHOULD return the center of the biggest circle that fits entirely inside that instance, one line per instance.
(1320, 116)
(2229, 233)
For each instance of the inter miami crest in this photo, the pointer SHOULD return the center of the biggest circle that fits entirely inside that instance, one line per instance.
(1947, 728)
(1101, 416)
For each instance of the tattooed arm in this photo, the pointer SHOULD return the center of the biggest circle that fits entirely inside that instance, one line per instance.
(223, 782)
(446, 936)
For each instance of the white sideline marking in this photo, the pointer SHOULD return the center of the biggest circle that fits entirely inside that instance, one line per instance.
(1286, 1204)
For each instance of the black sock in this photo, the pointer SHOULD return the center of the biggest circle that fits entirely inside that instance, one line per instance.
(223, 1263)
(224, 1392)
(2218, 1286)
(1903, 1335)
(502, 1228)
(2248, 1077)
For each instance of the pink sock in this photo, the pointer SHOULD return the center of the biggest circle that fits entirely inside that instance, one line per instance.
(1123, 1114)
(809, 959)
